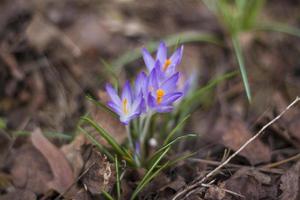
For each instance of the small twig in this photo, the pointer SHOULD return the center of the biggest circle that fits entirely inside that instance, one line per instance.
(198, 183)
(216, 163)
(275, 164)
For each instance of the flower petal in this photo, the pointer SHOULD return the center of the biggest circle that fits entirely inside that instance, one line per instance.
(170, 85)
(115, 107)
(170, 98)
(149, 61)
(176, 56)
(113, 94)
(161, 53)
(140, 83)
(164, 109)
(127, 93)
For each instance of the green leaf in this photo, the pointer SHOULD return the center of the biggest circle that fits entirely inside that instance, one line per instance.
(97, 144)
(109, 139)
(168, 145)
(101, 105)
(149, 175)
(195, 99)
(2, 123)
(118, 182)
(277, 27)
(240, 59)
(178, 126)
(107, 196)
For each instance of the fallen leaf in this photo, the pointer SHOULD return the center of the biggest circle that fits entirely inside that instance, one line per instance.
(215, 192)
(19, 195)
(72, 152)
(61, 169)
(30, 169)
(290, 183)
(100, 175)
(235, 134)
(248, 183)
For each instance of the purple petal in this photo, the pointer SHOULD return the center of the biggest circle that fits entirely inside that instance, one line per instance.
(137, 103)
(151, 101)
(153, 78)
(140, 83)
(149, 61)
(126, 93)
(115, 107)
(176, 56)
(170, 98)
(164, 109)
(170, 84)
(113, 94)
(162, 53)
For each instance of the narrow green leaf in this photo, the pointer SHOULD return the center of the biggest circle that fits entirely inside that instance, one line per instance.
(96, 143)
(277, 27)
(107, 196)
(177, 127)
(101, 105)
(240, 59)
(180, 158)
(193, 100)
(148, 176)
(118, 182)
(110, 140)
(168, 145)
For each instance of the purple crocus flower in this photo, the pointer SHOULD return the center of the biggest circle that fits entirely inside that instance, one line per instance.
(162, 95)
(168, 65)
(129, 106)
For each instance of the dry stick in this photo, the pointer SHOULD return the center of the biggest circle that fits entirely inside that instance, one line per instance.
(197, 184)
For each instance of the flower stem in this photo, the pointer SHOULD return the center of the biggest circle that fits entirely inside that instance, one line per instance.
(145, 131)
(129, 137)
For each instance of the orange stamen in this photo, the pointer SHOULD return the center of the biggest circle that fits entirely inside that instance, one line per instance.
(159, 95)
(124, 106)
(167, 64)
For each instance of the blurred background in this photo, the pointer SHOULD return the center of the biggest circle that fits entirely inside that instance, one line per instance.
(55, 52)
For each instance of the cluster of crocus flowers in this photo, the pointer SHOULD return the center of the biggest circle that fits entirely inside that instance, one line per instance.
(153, 91)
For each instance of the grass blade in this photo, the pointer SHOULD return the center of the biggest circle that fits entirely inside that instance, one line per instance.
(109, 139)
(178, 126)
(97, 144)
(107, 196)
(277, 27)
(193, 100)
(118, 178)
(168, 145)
(149, 175)
(101, 105)
(240, 59)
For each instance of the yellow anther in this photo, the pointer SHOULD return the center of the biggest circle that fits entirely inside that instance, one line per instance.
(167, 64)
(159, 95)
(124, 106)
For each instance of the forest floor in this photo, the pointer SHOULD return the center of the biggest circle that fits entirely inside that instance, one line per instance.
(51, 55)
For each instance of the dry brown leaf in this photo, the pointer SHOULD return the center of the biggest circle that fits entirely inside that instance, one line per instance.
(235, 134)
(290, 183)
(72, 152)
(30, 169)
(100, 174)
(61, 170)
(215, 192)
(19, 195)
(248, 183)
